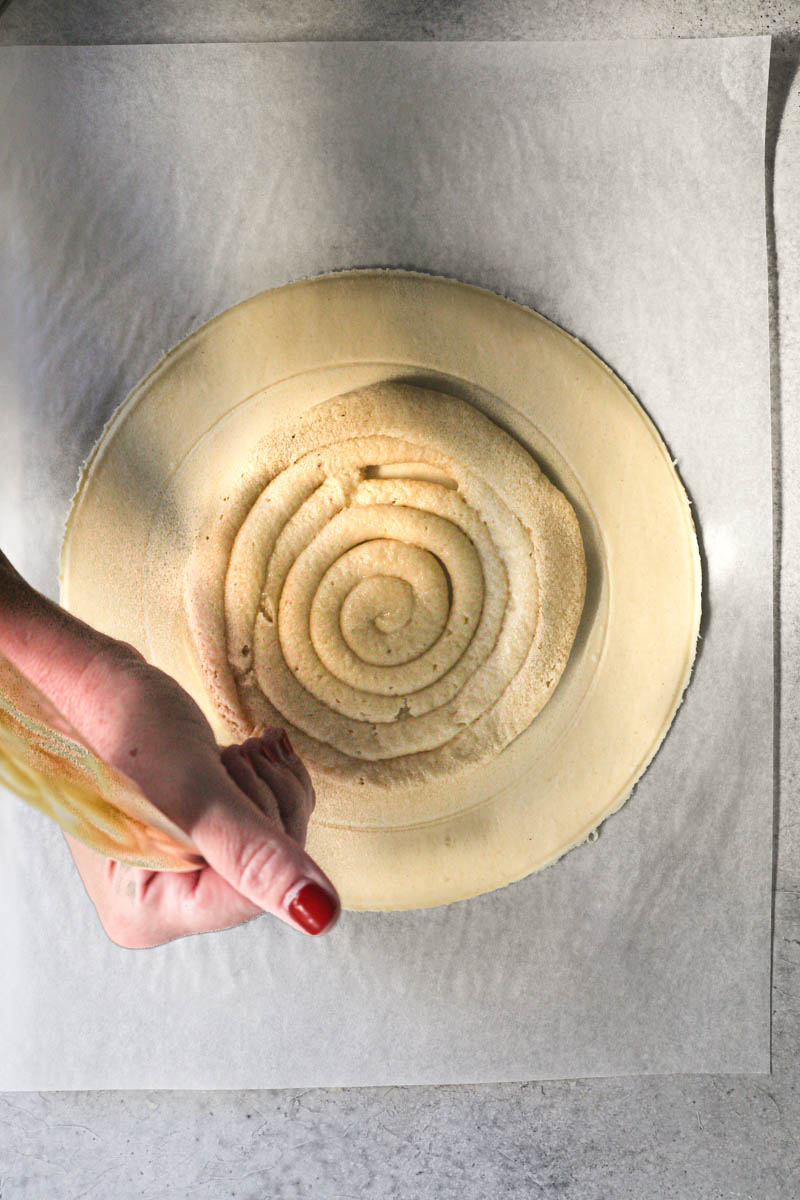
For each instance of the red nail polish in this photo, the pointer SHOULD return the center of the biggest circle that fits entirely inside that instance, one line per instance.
(284, 741)
(313, 908)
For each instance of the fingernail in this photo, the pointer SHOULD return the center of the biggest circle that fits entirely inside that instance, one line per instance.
(313, 908)
(285, 743)
(268, 752)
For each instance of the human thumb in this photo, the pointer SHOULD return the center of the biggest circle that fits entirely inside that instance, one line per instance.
(260, 861)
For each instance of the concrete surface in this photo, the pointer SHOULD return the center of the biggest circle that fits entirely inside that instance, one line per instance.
(698, 1137)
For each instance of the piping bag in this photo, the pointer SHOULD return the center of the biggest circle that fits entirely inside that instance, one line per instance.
(47, 762)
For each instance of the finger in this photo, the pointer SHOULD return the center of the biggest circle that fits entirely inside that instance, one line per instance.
(240, 768)
(276, 736)
(293, 798)
(295, 763)
(260, 769)
(258, 859)
(178, 904)
(139, 909)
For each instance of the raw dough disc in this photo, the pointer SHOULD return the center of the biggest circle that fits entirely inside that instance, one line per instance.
(405, 627)
(151, 485)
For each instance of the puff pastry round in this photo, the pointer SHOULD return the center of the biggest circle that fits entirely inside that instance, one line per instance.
(171, 545)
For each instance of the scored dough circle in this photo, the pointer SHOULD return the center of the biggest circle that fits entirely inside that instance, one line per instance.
(203, 421)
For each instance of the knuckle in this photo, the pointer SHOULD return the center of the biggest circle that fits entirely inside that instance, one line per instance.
(256, 863)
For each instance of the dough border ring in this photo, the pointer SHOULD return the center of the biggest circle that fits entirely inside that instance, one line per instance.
(259, 366)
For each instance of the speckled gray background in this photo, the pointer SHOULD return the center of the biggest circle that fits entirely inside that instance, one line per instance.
(699, 1137)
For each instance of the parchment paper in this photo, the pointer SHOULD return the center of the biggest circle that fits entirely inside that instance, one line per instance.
(616, 187)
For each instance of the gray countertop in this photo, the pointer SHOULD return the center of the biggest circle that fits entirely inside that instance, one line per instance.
(643, 1137)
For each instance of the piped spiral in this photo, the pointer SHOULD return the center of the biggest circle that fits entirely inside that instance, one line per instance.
(402, 586)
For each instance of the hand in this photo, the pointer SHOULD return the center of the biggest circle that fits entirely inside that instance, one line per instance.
(246, 809)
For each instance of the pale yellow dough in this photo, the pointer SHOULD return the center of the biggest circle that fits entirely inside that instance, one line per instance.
(409, 628)
(186, 459)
